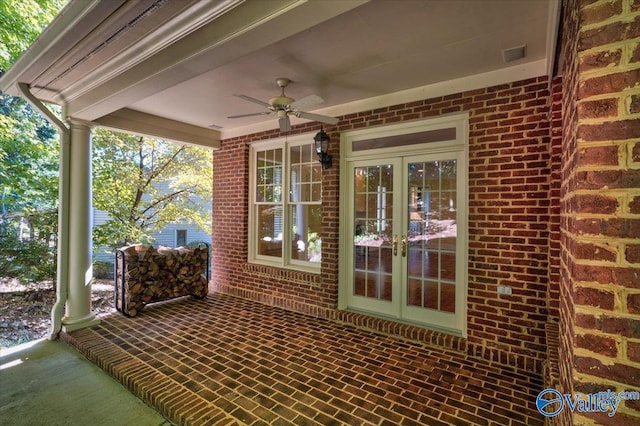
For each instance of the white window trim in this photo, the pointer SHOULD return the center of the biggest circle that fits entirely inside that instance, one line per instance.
(252, 256)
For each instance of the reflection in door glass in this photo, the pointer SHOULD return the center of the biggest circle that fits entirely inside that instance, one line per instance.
(431, 258)
(373, 212)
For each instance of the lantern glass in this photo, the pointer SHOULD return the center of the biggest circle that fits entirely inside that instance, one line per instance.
(318, 142)
(321, 141)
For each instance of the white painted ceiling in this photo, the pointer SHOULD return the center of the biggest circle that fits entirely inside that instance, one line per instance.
(342, 50)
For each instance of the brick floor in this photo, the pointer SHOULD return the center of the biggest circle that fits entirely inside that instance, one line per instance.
(225, 360)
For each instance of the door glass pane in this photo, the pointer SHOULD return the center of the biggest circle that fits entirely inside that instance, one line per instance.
(372, 239)
(431, 257)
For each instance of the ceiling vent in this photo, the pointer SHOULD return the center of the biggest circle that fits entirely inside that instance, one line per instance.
(514, 53)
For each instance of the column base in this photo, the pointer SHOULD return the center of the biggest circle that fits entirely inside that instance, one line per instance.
(71, 324)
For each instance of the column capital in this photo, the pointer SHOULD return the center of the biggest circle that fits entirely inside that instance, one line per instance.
(78, 123)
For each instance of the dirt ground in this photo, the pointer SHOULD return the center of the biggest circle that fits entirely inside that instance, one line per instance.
(25, 311)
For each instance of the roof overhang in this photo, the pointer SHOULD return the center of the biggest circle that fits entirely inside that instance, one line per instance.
(168, 68)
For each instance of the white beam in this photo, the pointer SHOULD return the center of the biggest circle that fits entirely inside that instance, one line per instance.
(141, 123)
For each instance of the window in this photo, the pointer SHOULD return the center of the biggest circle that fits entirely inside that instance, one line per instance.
(181, 237)
(285, 204)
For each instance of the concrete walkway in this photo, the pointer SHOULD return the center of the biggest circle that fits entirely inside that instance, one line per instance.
(50, 383)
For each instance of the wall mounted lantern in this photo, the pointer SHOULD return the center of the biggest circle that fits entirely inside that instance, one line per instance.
(321, 140)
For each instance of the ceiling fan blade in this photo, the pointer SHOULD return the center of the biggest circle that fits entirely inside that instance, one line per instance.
(254, 100)
(250, 115)
(316, 117)
(306, 102)
(285, 123)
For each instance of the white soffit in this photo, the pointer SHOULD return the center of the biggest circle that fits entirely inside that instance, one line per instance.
(134, 63)
(249, 26)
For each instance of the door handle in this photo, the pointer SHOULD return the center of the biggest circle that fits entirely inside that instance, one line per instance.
(404, 246)
(395, 245)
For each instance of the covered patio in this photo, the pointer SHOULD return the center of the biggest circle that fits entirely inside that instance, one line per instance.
(473, 243)
(226, 360)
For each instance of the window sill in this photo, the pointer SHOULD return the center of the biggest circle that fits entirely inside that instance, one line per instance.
(292, 273)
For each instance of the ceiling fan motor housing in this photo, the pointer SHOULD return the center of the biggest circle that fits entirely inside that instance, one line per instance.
(281, 101)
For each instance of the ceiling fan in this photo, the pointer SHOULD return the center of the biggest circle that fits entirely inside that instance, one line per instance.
(284, 106)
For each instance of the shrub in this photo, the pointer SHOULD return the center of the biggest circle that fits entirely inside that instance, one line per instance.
(32, 257)
(103, 270)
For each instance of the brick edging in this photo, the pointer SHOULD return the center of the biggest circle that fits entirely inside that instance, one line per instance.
(140, 378)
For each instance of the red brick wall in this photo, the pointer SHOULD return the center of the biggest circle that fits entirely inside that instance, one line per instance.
(569, 124)
(509, 203)
(300, 291)
(509, 168)
(601, 202)
(555, 187)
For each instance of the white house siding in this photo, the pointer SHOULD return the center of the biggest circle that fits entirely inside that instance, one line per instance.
(165, 237)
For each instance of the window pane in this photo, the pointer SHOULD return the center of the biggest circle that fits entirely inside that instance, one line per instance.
(181, 237)
(316, 191)
(306, 223)
(269, 176)
(306, 175)
(270, 225)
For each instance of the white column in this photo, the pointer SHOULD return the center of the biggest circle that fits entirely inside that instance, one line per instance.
(78, 312)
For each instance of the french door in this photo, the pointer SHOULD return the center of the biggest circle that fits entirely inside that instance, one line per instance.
(406, 227)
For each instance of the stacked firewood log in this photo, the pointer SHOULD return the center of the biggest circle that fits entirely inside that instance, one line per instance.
(148, 275)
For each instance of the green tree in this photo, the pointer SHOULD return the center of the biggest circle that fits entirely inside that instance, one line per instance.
(22, 21)
(144, 184)
(28, 156)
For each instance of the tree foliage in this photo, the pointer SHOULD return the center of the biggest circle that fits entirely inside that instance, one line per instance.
(144, 184)
(28, 192)
(22, 21)
(28, 143)
(128, 171)
(28, 159)
(28, 156)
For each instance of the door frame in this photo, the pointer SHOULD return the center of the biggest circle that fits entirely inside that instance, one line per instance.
(380, 308)
(354, 147)
(441, 318)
